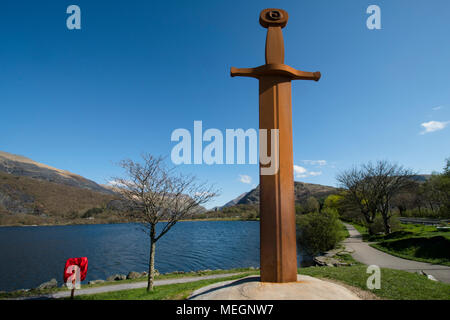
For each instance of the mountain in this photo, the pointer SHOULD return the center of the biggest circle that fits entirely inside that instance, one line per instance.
(25, 167)
(302, 192)
(421, 178)
(305, 190)
(35, 193)
(25, 195)
(234, 201)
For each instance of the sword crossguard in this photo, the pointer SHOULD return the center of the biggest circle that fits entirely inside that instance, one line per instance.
(275, 70)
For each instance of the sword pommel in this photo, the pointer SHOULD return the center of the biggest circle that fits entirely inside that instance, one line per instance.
(273, 18)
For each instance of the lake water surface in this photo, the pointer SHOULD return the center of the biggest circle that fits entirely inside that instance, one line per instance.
(32, 255)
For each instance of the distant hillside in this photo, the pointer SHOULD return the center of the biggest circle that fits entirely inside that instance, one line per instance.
(421, 177)
(25, 167)
(34, 193)
(302, 192)
(25, 200)
(234, 201)
(33, 196)
(305, 190)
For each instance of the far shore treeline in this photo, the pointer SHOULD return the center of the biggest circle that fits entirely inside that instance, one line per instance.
(31, 195)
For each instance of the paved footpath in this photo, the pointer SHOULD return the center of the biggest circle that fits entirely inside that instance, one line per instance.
(371, 256)
(125, 286)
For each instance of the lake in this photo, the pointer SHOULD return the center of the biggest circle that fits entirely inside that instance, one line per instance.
(32, 255)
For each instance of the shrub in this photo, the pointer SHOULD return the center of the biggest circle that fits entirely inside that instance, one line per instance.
(312, 205)
(242, 211)
(319, 232)
(92, 212)
(299, 209)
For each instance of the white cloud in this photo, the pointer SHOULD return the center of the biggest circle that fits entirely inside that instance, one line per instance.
(118, 184)
(115, 183)
(432, 126)
(204, 193)
(315, 162)
(437, 108)
(245, 179)
(301, 172)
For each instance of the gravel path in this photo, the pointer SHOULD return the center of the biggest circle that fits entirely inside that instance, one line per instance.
(371, 256)
(125, 286)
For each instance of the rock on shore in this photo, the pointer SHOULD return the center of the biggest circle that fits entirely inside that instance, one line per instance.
(48, 285)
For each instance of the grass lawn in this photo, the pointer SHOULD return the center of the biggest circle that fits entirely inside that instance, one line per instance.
(172, 275)
(361, 229)
(344, 232)
(177, 291)
(414, 242)
(395, 284)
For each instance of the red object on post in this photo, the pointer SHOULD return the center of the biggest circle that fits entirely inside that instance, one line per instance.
(82, 263)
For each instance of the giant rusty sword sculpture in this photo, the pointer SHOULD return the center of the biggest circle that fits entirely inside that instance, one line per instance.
(278, 253)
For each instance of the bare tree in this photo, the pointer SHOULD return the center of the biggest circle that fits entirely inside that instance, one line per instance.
(156, 194)
(387, 180)
(407, 199)
(359, 193)
(373, 186)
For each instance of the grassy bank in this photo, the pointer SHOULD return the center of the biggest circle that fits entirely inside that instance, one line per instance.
(413, 242)
(175, 275)
(395, 284)
(343, 230)
(178, 291)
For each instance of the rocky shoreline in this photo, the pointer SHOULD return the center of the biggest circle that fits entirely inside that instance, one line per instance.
(331, 258)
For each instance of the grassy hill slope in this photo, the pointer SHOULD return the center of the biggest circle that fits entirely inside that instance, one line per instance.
(25, 200)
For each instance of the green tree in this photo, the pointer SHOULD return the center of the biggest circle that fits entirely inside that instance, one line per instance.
(334, 201)
(312, 205)
(299, 209)
(436, 191)
(319, 232)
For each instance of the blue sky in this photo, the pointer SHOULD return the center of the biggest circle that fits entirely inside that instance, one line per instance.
(81, 100)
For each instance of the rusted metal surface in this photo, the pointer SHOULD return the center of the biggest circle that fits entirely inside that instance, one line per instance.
(277, 225)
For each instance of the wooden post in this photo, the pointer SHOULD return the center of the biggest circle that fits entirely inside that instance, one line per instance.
(72, 293)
